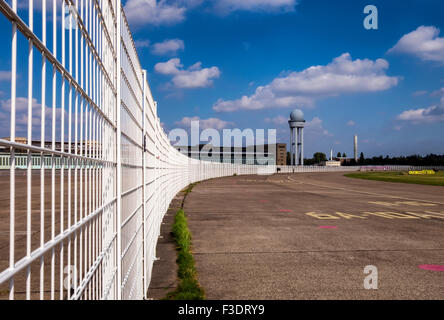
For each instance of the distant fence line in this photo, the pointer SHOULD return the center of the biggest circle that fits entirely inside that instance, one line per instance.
(292, 169)
(21, 162)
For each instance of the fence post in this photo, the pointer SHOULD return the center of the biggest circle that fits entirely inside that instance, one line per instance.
(144, 246)
(118, 156)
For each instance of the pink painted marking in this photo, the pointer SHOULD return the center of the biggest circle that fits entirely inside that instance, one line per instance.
(284, 210)
(431, 267)
(328, 227)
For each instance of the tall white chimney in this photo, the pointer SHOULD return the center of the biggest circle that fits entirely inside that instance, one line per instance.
(356, 147)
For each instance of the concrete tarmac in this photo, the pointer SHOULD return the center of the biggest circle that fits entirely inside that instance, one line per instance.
(311, 236)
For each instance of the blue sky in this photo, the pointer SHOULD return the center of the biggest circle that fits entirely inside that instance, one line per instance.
(253, 45)
(247, 64)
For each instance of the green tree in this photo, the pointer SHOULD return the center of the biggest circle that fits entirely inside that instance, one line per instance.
(319, 157)
(338, 155)
(362, 158)
(344, 155)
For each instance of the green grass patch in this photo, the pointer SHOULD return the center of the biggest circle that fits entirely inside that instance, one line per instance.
(436, 179)
(188, 189)
(188, 288)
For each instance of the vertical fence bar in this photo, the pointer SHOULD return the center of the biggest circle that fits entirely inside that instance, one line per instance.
(42, 164)
(70, 161)
(144, 209)
(12, 150)
(29, 153)
(62, 147)
(118, 156)
(108, 85)
(54, 96)
(78, 79)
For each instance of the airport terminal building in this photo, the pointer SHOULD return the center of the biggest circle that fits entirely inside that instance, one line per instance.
(273, 154)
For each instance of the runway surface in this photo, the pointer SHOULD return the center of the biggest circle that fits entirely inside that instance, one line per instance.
(311, 236)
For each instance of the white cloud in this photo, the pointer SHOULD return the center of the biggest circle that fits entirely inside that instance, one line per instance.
(142, 43)
(351, 123)
(170, 67)
(343, 75)
(193, 77)
(21, 107)
(167, 12)
(210, 123)
(226, 6)
(423, 43)
(155, 12)
(439, 92)
(316, 127)
(170, 46)
(424, 115)
(5, 75)
(278, 120)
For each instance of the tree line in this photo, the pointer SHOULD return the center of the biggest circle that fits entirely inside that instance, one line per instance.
(412, 160)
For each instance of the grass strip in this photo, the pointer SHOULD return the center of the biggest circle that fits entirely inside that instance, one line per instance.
(188, 288)
(402, 177)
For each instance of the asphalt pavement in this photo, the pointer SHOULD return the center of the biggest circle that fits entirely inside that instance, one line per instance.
(317, 236)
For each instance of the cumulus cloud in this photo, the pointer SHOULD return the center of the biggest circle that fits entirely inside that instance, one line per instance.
(439, 92)
(169, 46)
(210, 123)
(21, 107)
(155, 12)
(316, 127)
(343, 75)
(167, 12)
(278, 120)
(193, 77)
(423, 43)
(433, 113)
(145, 43)
(226, 6)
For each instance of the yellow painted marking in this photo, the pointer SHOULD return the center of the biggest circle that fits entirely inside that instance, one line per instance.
(417, 204)
(322, 216)
(363, 192)
(383, 214)
(392, 215)
(426, 215)
(398, 203)
(422, 172)
(386, 204)
(380, 214)
(441, 214)
(349, 216)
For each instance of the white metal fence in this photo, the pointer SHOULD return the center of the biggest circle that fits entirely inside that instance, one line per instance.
(85, 224)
